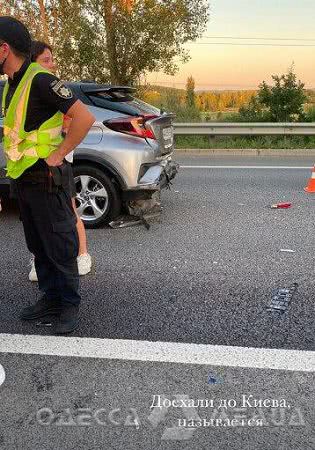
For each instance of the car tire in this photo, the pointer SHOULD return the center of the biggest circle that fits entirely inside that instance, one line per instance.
(113, 207)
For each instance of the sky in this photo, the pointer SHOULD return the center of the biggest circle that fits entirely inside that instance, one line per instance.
(244, 67)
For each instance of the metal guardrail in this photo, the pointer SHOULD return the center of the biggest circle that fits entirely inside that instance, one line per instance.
(250, 129)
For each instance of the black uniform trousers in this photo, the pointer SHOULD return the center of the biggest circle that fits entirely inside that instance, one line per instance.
(49, 224)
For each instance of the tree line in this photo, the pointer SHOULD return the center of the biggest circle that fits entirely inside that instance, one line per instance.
(206, 101)
(285, 100)
(116, 41)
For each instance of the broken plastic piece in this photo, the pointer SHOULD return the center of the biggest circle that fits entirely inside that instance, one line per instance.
(281, 298)
(281, 205)
(130, 221)
(213, 379)
(287, 250)
(44, 323)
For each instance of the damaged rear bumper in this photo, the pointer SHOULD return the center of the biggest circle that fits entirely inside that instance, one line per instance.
(145, 198)
(156, 178)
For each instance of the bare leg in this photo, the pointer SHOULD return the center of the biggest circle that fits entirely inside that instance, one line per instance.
(81, 232)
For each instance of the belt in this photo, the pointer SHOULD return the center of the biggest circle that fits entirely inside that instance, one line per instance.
(52, 179)
(35, 177)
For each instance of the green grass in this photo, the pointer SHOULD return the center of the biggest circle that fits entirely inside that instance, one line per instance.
(241, 142)
(219, 116)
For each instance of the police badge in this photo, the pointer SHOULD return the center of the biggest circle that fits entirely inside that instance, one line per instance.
(61, 90)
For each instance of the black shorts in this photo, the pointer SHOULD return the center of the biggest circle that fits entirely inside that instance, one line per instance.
(13, 189)
(72, 190)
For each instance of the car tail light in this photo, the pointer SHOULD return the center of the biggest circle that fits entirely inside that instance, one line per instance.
(134, 126)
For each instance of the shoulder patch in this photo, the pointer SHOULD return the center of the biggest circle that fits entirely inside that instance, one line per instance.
(61, 90)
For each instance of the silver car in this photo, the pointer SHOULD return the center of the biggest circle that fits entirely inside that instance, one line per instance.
(126, 158)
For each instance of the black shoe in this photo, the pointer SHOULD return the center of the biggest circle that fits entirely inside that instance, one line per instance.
(69, 320)
(42, 308)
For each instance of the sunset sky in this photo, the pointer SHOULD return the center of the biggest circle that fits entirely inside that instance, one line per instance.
(244, 67)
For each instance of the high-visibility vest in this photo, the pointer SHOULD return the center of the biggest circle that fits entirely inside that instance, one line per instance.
(23, 148)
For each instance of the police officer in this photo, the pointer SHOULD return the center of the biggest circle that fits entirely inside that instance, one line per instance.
(33, 104)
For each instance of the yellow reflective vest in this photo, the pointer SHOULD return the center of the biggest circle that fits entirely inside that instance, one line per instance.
(23, 148)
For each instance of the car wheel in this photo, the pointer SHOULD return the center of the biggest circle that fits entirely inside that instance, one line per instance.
(97, 198)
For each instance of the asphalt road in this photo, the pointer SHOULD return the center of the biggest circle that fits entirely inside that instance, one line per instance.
(204, 274)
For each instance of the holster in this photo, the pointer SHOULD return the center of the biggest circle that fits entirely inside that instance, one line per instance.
(60, 175)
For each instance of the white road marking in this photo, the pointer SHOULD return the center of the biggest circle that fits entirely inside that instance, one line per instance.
(248, 167)
(161, 352)
(2, 375)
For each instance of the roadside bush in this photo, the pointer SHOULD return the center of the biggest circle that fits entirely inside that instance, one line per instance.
(310, 114)
(187, 114)
(254, 112)
(231, 117)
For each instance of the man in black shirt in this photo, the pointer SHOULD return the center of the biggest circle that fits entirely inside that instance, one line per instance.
(37, 164)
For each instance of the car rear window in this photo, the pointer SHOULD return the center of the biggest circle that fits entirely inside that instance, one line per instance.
(122, 102)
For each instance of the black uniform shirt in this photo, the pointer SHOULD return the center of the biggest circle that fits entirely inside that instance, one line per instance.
(47, 96)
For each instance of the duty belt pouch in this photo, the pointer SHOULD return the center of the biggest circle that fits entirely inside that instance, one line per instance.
(65, 175)
(54, 179)
(56, 176)
(60, 176)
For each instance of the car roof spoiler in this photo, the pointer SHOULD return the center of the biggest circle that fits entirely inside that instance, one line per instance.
(87, 88)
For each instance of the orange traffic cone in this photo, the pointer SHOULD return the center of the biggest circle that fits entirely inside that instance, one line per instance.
(311, 183)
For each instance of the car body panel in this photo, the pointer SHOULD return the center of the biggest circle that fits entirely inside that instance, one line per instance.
(126, 157)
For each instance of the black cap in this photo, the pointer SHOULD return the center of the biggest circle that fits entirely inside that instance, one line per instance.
(14, 33)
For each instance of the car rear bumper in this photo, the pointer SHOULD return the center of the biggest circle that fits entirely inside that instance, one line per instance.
(158, 177)
(168, 174)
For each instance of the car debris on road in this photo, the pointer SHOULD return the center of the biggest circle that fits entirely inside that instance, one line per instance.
(281, 298)
(281, 206)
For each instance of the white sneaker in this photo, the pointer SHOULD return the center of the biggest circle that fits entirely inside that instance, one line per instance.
(32, 275)
(84, 263)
